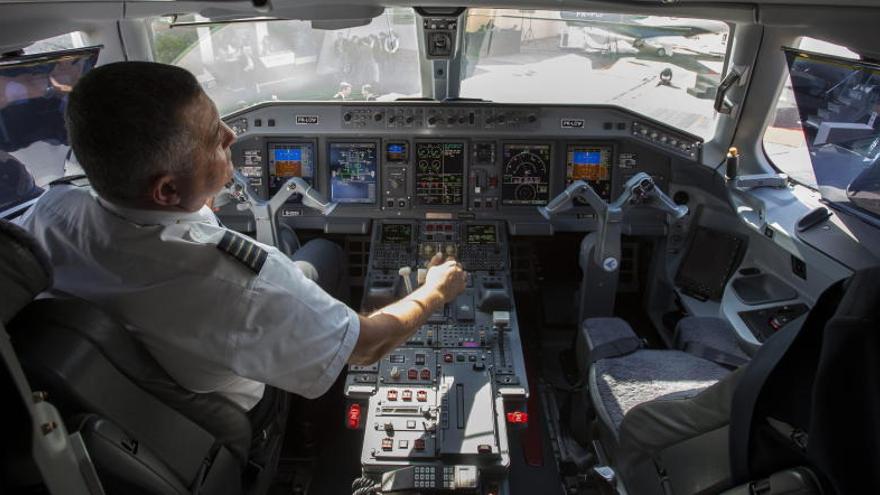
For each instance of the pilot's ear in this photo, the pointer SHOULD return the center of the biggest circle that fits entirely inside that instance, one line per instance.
(165, 191)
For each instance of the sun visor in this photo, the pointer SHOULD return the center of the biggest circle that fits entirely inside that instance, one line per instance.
(343, 15)
(838, 102)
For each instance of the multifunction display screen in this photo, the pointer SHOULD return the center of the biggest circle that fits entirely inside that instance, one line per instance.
(288, 160)
(526, 179)
(396, 233)
(591, 164)
(353, 172)
(440, 174)
(481, 234)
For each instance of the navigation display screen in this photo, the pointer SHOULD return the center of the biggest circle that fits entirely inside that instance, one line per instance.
(396, 233)
(526, 179)
(591, 164)
(481, 234)
(440, 174)
(353, 172)
(288, 160)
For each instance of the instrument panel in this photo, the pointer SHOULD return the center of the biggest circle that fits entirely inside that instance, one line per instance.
(450, 160)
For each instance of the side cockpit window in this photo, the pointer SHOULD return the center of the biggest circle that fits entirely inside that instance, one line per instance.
(784, 140)
(826, 129)
(33, 94)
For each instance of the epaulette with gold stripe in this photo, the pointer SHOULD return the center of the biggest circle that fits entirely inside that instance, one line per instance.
(244, 250)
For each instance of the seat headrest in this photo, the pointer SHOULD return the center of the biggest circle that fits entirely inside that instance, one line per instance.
(24, 269)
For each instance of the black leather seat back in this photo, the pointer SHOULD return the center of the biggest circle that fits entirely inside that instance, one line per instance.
(161, 447)
(816, 400)
(25, 270)
(90, 330)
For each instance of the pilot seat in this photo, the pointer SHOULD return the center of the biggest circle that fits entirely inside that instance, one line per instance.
(674, 421)
(144, 433)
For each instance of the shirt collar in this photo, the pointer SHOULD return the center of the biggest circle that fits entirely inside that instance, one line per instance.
(146, 217)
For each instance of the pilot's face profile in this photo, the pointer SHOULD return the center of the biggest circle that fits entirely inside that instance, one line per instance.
(212, 163)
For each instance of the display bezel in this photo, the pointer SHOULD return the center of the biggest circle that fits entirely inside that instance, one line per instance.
(409, 151)
(467, 234)
(465, 170)
(316, 163)
(328, 173)
(612, 168)
(551, 166)
(413, 235)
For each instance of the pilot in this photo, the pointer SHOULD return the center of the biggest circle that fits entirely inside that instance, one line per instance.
(344, 92)
(219, 311)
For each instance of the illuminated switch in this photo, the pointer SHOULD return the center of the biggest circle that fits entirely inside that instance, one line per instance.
(447, 357)
(411, 424)
(425, 374)
(422, 396)
(420, 358)
(407, 395)
(403, 444)
(412, 374)
(392, 394)
(419, 444)
(387, 444)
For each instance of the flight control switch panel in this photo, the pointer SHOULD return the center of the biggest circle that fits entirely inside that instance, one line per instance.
(439, 403)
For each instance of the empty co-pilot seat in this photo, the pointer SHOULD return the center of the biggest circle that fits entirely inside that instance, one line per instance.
(622, 374)
(710, 338)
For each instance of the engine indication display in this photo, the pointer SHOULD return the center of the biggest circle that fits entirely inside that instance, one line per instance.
(526, 179)
(353, 172)
(440, 174)
(288, 160)
(592, 164)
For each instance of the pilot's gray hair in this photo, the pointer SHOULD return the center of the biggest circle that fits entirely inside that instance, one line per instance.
(127, 126)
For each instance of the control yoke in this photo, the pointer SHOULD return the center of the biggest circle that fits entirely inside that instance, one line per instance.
(640, 189)
(239, 191)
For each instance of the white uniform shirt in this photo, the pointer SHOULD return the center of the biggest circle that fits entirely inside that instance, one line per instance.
(215, 323)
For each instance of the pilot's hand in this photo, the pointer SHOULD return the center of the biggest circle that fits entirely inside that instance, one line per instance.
(446, 277)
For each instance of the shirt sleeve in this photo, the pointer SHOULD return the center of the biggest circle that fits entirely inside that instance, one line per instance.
(294, 335)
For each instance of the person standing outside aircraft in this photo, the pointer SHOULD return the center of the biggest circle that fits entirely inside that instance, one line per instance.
(219, 311)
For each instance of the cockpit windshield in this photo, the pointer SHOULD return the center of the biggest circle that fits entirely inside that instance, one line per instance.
(666, 68)
(244, 63)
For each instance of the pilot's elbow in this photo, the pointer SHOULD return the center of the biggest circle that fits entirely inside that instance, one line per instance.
(364, 358)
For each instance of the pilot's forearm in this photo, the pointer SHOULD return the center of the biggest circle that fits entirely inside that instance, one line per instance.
(391, 326)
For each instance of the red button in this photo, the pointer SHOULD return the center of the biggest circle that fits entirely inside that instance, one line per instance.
(419, 444)
(354, 416)
(392, 394)
(412, 374)
(422, 396)
(447, 358)
(407, 395)
(426, 374)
